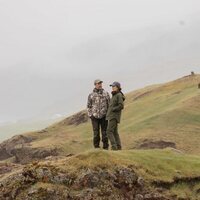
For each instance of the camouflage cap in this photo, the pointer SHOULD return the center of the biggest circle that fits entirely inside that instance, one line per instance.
(98, 81)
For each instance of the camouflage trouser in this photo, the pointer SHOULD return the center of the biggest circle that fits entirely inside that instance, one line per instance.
(113, 135)
(97, 125)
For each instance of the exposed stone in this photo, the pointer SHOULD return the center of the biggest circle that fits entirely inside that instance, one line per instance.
(77, 119)
(120, 183)
(140, 181)
(139, 197)
(19, 148)
(28, 154)
(125, 178)
(18, 141)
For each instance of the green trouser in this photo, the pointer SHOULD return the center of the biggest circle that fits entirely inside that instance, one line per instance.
(97, 125)
(113, 135)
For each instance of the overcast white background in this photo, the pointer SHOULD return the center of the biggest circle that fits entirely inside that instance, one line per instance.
(51, 51)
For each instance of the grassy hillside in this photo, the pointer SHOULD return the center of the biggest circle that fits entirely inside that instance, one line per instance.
(153, 116)
(160, 132)
(178, 173)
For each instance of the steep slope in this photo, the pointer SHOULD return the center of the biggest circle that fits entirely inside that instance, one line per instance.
(156, 116)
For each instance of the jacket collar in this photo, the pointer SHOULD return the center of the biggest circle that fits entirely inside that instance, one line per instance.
(100, 91)
(114, 92)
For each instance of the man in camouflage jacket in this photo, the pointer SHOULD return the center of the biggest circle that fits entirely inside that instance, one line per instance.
(97, 107)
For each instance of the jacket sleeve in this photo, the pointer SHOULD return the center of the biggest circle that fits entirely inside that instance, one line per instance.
(120, 104)
(89, 106)
(108, 99)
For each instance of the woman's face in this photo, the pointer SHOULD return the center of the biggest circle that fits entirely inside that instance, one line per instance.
(115, 89)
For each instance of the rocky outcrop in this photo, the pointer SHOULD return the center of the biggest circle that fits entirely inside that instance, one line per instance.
(76, 119)
(19, 147)
(45, 181)
(27, 154)
(9, 145)
(6, 168)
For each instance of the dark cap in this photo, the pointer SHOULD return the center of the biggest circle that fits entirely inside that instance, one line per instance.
(117, 84)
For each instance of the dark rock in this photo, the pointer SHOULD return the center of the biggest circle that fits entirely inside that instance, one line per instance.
(27, 154)
(125, 178)
(7, 146)
(139, 197)
(20, 149)
(119, 183)
(77, 119)
(140, 181)
(89, 179)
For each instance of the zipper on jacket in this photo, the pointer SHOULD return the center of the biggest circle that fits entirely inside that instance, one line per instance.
(99, 105)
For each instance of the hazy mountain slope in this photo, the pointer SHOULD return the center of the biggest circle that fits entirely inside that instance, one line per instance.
(158, 116)
(10, 129)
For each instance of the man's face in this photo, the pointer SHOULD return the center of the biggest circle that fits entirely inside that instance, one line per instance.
(99, 85)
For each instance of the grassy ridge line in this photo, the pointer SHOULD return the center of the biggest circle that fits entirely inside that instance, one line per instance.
(154, 165)
(168, 111)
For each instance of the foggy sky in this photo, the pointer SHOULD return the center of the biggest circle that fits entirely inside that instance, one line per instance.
(51, 51)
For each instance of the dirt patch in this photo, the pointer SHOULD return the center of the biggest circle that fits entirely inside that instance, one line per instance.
(139, 96)
(177, 180)
(160, 144)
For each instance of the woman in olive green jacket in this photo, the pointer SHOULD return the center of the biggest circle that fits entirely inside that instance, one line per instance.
(114, 115)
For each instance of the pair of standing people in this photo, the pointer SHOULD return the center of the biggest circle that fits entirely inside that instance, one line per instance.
(105, 114)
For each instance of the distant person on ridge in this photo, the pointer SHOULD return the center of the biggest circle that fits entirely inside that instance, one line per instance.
(114, 115)
(97, 107)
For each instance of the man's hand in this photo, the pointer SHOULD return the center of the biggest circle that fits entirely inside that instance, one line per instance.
(92, 117)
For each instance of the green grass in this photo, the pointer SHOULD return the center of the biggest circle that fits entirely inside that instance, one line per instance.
(153, 165)
(168, 112)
